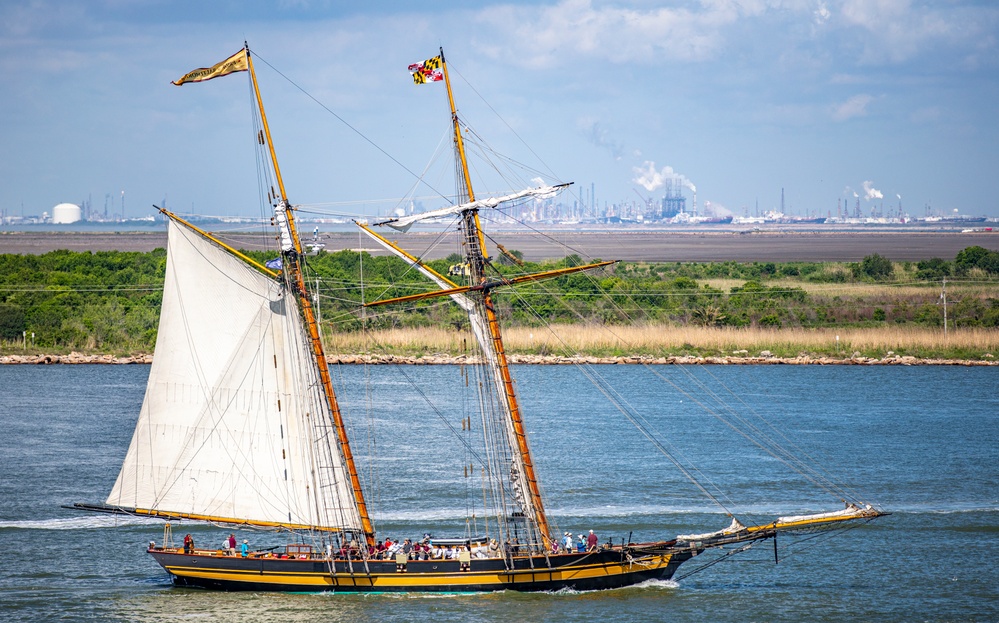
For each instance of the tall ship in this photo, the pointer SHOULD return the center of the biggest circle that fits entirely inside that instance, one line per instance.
(241, 426)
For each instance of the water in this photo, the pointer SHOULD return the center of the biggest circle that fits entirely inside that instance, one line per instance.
(922, 442)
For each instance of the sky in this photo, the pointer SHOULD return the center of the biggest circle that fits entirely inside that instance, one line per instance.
(889, 102)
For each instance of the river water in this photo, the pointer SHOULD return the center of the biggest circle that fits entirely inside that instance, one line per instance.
(920, 442)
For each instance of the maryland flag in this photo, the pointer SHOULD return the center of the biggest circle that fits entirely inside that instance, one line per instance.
(236, 62)
(427, 71)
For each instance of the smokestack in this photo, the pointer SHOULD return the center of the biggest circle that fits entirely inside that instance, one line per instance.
(695, 203)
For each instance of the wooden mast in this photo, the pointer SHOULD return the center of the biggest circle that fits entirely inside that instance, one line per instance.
(476, 254)
(293, 269)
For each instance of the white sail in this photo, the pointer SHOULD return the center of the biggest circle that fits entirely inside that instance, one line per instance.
(403, 223)
(233, 418)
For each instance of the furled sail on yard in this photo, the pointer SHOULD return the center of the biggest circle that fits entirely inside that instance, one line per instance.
(403, 223)
(233, 423)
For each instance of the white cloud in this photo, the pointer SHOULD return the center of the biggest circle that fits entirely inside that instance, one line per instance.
(821, 14)
(898, 31)
(856, 106)
(869, 32)
(572, 29)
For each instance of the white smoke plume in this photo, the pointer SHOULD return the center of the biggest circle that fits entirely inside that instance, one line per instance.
(717, 209)
(650, 178)
(870, 192)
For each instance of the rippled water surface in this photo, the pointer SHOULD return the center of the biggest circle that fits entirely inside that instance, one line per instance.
(922, 442)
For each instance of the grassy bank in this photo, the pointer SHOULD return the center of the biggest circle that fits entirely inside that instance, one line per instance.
(975, 344)
(930, 343)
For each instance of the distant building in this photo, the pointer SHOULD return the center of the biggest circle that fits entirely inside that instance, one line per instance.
(66, 213)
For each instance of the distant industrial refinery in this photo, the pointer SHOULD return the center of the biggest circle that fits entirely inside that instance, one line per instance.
(70, 213)
(669, 208)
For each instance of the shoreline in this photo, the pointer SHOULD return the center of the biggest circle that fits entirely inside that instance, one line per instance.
(738, 243)
(443, 359)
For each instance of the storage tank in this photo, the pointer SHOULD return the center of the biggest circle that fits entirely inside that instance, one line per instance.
(66, 213)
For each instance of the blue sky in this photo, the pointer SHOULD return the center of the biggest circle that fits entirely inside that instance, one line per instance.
(827, 99)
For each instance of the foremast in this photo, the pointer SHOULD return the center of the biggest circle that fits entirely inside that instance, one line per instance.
(291, 250)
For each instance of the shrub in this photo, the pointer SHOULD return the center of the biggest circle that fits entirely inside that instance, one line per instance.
(932, 269)
(874, 266)
(770, 320)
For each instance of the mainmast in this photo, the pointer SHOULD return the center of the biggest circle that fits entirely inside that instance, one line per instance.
(291, 249)
(476, 299)
(475, 254)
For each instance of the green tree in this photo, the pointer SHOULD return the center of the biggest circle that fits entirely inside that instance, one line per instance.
(875, 266)
(11, 321)
(971, 257)
(932, 269)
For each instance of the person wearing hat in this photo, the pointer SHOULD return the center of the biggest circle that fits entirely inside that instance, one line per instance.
(244, 549)
(591, 542)
(567, 542)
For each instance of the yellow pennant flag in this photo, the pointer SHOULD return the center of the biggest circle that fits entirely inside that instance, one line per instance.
(236, 62)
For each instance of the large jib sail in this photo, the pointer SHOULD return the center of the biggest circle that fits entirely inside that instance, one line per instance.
(234, 426)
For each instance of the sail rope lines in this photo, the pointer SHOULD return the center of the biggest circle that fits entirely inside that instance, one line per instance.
(326, 478)
(325, 442)
(399, 370)
(822, 533)
(266, 176)
(637, 420)
(345, 123)
(621, 403)
(493, 460)
(764, 442)
(499, 453)
(321, 426)
(507, 124)
(813, 472)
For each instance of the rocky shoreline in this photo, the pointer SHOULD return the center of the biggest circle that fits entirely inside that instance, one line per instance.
(443, 359)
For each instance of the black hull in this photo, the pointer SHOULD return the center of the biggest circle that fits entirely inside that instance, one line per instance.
(598, 570)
